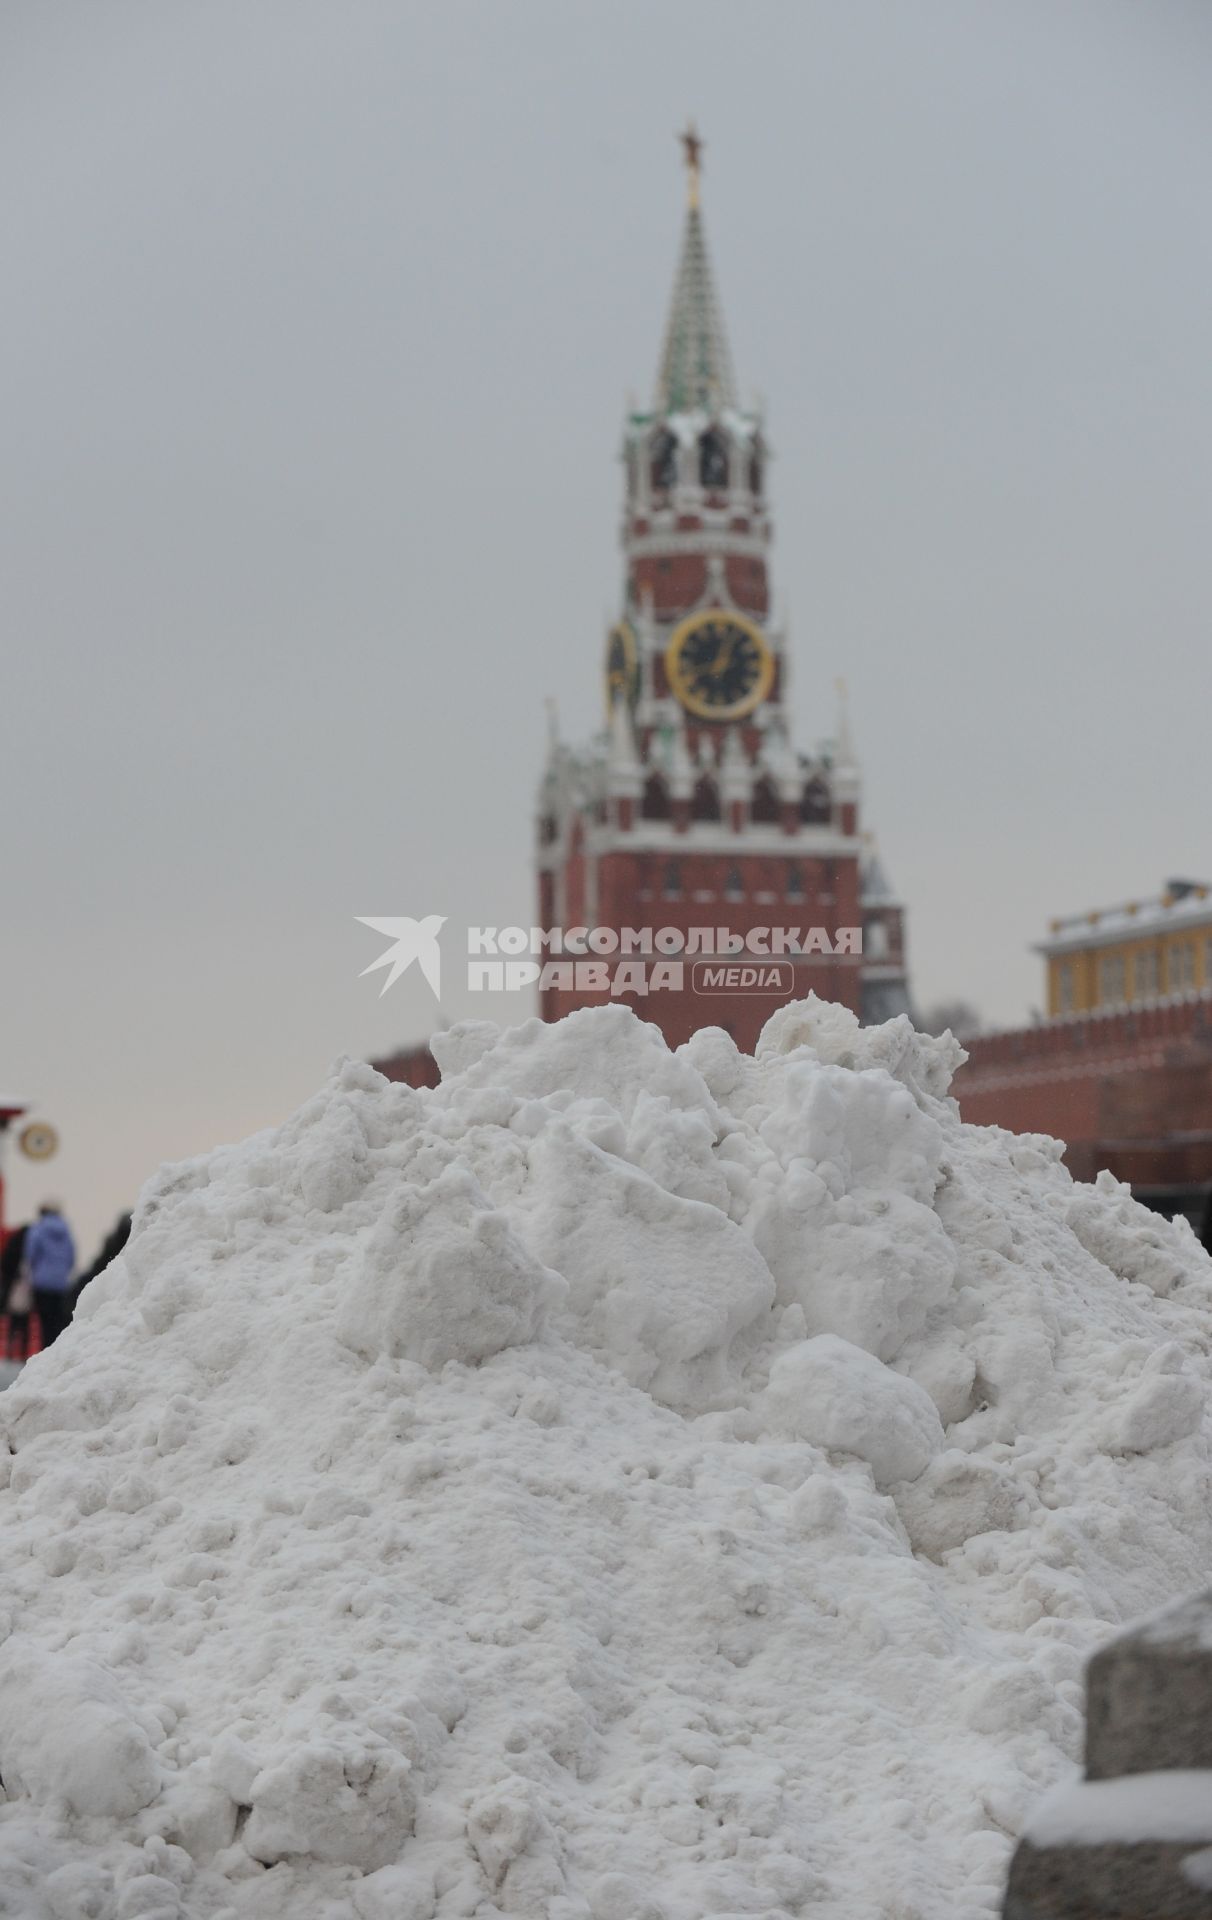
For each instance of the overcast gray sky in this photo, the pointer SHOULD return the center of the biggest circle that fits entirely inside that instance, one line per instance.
(318, 324)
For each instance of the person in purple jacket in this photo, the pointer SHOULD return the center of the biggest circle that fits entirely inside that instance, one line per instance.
(49, 1258)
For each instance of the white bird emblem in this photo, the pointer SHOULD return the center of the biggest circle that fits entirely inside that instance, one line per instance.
(413, 940)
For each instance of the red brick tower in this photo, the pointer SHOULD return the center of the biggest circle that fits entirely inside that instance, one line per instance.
(693, 810)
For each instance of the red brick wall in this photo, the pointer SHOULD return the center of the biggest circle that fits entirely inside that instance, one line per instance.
(415, 1066)
(674, 583)
(630, 893)
(1131, 1091)
(678, 581)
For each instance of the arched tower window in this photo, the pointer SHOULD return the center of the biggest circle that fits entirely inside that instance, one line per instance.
(734, 888)
(673, 880)
(815, 806)
(713, 460)
(664, 469)
(764, 809)
(705, 804)
(795, 883)
(654, 803)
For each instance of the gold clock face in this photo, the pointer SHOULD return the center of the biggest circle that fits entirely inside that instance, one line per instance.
(622, 665)
(719, 665)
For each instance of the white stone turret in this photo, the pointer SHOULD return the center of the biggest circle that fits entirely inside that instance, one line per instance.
(847, 776)
(736, 775)
(624, 774)
(683, 769)
(779, 760)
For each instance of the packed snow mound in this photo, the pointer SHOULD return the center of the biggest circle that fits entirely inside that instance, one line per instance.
(620, 1484)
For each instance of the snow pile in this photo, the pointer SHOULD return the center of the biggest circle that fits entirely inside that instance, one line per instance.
(619, 1485)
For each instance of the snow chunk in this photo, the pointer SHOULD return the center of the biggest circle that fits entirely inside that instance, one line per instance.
(349, 1799)
(1166, 1405)
(957, 1497)
(1167, 1808)
(442, 1277)
(925, 1062)
(68, 1733)
(837, 1396)
(1109, 1224)
(659, 1285)
(848, 1225)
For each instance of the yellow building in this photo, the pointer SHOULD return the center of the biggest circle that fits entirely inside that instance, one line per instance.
(1126, 956)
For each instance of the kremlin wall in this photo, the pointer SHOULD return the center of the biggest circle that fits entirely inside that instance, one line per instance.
(1122, 1068)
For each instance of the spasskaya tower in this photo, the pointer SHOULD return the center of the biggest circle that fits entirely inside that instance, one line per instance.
(694, 810)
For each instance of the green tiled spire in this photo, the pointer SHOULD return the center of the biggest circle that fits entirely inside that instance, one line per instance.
(696, 372)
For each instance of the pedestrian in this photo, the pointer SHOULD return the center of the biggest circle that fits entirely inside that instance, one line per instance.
(16, 1295)
(50, 1256)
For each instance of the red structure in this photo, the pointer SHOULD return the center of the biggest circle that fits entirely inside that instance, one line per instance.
(415, 1066)
(10, 1110)
(694, 811)
(1129, 1089)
